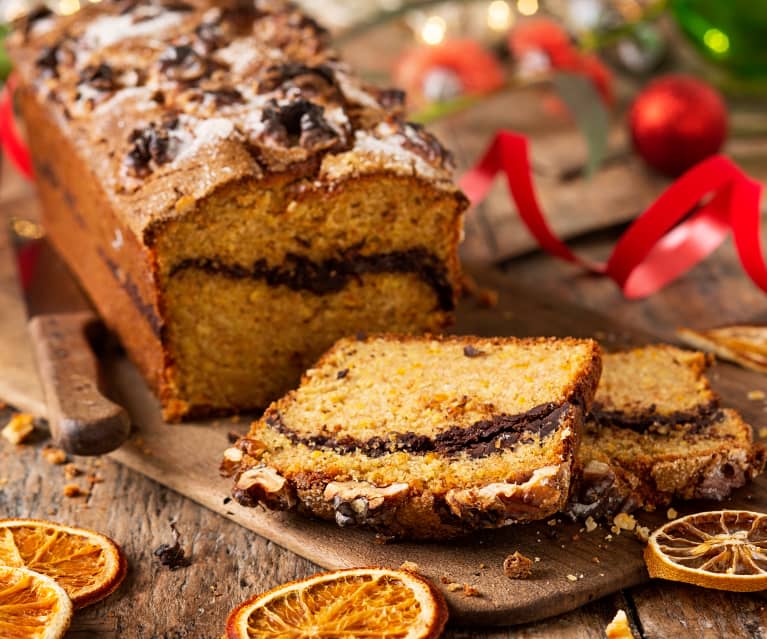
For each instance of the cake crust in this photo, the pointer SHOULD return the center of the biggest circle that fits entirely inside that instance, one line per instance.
(374, 438)
(663, 436)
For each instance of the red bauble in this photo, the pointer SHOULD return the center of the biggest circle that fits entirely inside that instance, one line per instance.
(676, 122)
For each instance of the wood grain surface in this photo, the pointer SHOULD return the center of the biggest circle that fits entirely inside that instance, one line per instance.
(185, 458)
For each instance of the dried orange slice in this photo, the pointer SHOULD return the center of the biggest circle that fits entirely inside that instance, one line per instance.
(32, 606)
(722, 549)
(359, 602)
(88, 565)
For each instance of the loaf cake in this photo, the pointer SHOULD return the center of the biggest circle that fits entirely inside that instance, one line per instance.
(656, 432)
(423, 438)
(232, 198)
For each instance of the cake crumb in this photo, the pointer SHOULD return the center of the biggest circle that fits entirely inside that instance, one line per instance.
(755, 395)
(591, 525)
(619, 627)
(19, 428)
(517, 566)
(763, 432)
(595, 560)
(642, 532)
(453, 586)
(624, 521)
(671, 513)
(73, 490)
(444, 579)
(537, 559)
(410, 566)
(470, 591)
(572, 578)
(3, 481)
(93, 478)
(54, 456)
(71, 471)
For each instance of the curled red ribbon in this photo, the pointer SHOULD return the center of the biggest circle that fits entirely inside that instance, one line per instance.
(689, 220)
(12, 143)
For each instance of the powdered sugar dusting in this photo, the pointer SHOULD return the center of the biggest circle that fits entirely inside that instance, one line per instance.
(204, 133)
(107, 30)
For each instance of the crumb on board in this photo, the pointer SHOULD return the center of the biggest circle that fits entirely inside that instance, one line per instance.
(591, 525)
(755, 395)
(470, 591)
(73, 490)
(94, 478)
(619, 627)
(671, 513)
(54, 456)
(624, 521)
(18, 428)
(642, 532)
(410, 566)
(572, 578)
(3, 481)
(71, 471)
(763, 432)
(454, 586)
(517, 566)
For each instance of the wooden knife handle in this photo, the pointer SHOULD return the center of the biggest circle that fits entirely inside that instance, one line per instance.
(82, 420)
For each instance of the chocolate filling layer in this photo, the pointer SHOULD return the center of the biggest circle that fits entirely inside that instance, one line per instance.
(332, 275)
(701, 417)
(480, 439)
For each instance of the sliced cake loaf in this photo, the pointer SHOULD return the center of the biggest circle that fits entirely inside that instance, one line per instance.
(423, 437)
(656, 432)
(231, 196)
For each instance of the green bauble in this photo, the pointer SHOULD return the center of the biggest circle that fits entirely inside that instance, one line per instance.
(732, 33)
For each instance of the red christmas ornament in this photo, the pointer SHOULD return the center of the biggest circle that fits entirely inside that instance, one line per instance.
(676, 122)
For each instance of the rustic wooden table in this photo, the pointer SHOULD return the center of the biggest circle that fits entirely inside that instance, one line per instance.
(230, 563)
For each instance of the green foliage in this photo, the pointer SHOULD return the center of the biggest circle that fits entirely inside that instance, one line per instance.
(588, 111)
(5, 62)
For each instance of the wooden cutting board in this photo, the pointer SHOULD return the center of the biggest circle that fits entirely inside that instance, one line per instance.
(572, 567)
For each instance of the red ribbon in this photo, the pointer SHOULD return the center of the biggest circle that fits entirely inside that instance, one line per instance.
(13, 144)
(689, 220)
(660, 245)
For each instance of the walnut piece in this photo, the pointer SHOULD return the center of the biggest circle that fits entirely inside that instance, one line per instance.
(499, 504)
(358, 502)
(264, 485)
(619, 627)
(517, 566)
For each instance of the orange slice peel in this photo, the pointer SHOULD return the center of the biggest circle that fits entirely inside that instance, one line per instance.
(723, 549)
(87, 565)
(369, 602)
(32, 606)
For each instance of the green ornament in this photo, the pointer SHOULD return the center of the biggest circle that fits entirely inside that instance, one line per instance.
(731, 33)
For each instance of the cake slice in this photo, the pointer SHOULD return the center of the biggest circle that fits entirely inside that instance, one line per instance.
(745, 345)
(423, 437)
(656, 432)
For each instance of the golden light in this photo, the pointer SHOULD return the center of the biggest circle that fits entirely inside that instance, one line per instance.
(499, 15)
(27, 229)
(68, 7)
(527, 7)
(716, 40)
(433, 30)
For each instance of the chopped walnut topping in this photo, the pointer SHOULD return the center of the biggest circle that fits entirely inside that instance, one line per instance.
(591, 525)
(642, 532)
(100, 76)
(151, 144)
(517, 566)
(19, 428)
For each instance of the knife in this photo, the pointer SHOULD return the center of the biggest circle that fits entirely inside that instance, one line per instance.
(65, 336)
